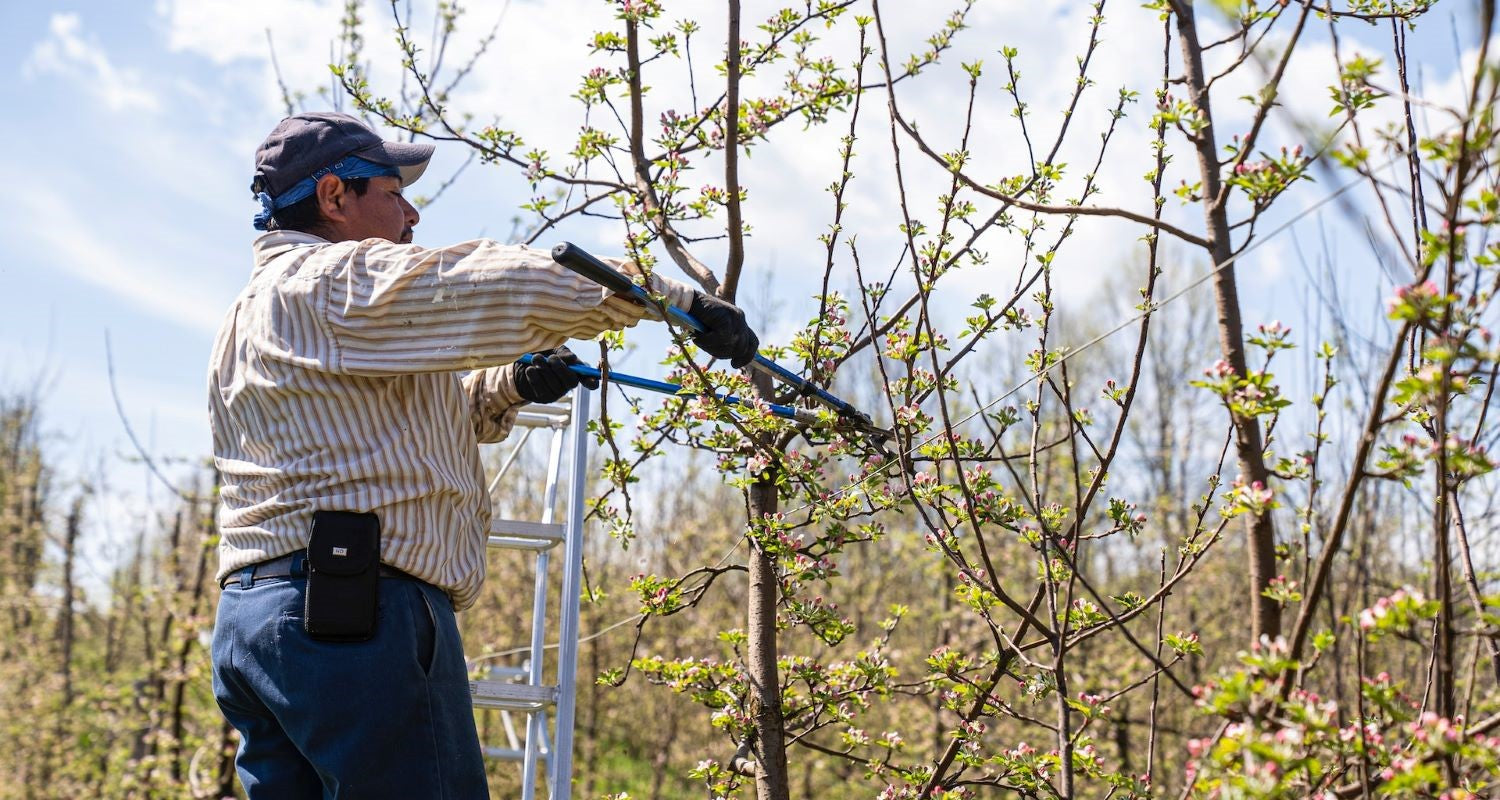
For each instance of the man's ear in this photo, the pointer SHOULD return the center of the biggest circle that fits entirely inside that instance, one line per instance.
(331, 194)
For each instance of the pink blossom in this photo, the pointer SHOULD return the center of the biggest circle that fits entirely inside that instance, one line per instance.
(1220, 369)
(1426, 290)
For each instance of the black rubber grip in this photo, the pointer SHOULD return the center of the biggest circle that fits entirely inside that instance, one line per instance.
(577, 259)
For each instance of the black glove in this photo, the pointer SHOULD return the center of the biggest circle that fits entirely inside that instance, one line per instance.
(725, 333)
(548, 377)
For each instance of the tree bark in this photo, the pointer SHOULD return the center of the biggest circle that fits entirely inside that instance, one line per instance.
(769, 744)
(1260, 529)
(736, 222)
(65, 631)
(1443, 564)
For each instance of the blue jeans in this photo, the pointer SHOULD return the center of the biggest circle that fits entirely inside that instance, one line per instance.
(385, 718)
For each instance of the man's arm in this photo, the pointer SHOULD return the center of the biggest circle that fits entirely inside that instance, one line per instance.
(391, 309)
(497, 393)
(493, 402)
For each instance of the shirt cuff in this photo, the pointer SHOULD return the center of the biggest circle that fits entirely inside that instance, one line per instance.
(677, 293)
(493, 402)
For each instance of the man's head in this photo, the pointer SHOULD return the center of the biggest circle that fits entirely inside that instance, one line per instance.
(326, 173)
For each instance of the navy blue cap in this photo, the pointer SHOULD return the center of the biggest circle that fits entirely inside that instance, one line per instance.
(305, 143)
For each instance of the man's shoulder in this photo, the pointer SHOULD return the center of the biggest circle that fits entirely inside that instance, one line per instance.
(297, 268)
(291, 261)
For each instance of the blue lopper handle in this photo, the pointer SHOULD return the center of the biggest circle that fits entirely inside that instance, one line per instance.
(580, 261)
(663, 387)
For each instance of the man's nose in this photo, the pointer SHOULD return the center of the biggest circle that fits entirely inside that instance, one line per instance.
(413, 216)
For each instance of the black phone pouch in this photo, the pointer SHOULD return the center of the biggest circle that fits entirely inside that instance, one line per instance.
(343, 576)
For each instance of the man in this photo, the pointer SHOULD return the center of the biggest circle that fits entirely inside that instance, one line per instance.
(353, 514)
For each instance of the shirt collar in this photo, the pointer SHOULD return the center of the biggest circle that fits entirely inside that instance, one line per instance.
(270, 245)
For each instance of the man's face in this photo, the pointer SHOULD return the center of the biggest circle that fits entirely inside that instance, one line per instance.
(380, 213)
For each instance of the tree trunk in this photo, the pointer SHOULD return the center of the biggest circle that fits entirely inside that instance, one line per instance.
(1260, 529)
(198, 588)
(1443, 562)
(769, 745)
(65, 621)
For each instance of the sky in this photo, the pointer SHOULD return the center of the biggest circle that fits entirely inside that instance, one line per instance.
(132, 127)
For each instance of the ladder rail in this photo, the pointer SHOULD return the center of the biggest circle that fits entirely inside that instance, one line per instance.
(536, 729)
(567, 649)
(552, 748)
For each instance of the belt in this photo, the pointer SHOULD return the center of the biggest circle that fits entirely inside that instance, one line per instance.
(291, 565)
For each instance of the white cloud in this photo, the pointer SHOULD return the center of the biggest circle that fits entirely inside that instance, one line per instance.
(233, 34)
(224, 31)
(69, 53)
(791, 206)
(124, 266)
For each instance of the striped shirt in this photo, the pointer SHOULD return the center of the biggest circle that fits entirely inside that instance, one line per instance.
(334, 385)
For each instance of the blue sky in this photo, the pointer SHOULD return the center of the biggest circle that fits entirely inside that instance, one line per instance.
(133, 124)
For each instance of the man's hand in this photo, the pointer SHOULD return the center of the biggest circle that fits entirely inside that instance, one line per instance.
(724, 334)
(549, 376)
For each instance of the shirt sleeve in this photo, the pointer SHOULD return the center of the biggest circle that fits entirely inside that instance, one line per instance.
(393, 309)
(493, 402)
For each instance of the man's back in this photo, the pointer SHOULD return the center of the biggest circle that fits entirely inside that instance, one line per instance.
(295, 433)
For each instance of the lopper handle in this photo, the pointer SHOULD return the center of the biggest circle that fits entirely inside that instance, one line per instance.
(584, 263)
(586, 371)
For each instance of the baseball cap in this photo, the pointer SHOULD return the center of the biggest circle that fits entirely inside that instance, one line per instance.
(304, 143)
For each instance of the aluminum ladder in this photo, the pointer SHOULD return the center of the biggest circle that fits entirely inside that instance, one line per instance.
(523, 690)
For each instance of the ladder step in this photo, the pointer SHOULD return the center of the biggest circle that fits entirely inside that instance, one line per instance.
(504, 753)
(511, 696)
(512, 543)
(516, 754)
(550, 532)
(511, 673)
(538, 416)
